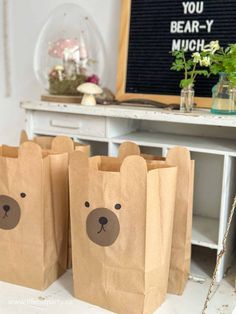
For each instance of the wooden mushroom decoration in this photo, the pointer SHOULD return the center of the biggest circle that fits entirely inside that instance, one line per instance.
(89, 90)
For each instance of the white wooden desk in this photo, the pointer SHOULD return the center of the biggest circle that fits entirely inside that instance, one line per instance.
(210, 138)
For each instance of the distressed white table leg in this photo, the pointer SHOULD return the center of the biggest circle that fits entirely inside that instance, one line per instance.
(224, 214)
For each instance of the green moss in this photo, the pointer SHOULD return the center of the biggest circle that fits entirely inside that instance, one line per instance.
(65, 87)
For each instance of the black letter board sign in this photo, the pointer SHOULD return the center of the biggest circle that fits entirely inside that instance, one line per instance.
(150, 29)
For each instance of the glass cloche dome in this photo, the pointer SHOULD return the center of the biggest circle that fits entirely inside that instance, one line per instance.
(69, 51)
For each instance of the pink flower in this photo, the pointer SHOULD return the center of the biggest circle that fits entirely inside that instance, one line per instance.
(93, 79)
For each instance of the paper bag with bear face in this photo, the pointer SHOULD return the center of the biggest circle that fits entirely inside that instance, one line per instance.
(121, 221)
(182, 230)
(33, 216)
(59, 144)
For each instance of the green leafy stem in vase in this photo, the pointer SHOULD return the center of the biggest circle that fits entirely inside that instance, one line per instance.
(224, 61)
(197, 64)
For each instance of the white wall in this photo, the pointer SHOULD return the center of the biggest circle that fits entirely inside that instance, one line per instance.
(26, 20)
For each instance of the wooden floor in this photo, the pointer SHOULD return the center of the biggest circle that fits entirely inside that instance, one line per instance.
(58, 299)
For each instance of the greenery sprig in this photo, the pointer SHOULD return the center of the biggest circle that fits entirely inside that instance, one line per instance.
(198, 64)
(213, 59)
(224, 61)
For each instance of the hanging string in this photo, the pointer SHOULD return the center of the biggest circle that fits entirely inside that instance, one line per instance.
(219, 257)
(6, 48)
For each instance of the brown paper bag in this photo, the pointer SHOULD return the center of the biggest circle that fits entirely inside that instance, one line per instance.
(33, 219)
(59, 144)
(182, 230)
(121, 221)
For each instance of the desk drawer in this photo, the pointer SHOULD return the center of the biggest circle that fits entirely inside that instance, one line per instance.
(71, 124)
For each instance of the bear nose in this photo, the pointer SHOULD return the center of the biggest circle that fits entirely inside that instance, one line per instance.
(6, 208)
(103, 220)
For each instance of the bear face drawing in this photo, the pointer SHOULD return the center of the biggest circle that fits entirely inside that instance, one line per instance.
(10, 212)
(102, 226)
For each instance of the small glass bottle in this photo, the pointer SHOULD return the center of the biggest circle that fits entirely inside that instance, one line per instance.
(187, 99)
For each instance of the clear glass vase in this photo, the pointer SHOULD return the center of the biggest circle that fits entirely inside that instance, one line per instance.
(223, 96)
(187, 99)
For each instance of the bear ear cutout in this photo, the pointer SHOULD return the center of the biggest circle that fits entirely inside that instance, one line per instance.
(128, 149)
(62, 144)
(23, 137)
(134, 167)
(134, 176)
(178, 155)
(30, 151)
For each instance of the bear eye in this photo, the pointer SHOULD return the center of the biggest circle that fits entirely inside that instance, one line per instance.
(86, 204)
(117, 206)
(23, 195)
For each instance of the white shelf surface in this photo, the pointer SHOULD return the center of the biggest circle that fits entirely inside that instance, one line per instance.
(197, 117)
(205, 232)
(208, 145)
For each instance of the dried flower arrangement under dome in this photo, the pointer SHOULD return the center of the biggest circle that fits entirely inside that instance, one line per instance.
(69, 52)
